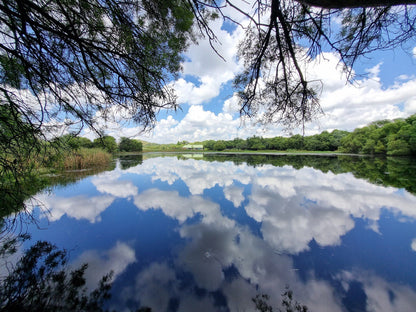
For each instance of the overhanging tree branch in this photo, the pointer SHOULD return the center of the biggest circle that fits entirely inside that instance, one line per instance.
(349, 4)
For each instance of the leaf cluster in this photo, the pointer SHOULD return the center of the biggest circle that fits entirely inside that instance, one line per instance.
(393, 138)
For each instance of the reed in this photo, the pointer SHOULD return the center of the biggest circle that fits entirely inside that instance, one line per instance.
(85, 158)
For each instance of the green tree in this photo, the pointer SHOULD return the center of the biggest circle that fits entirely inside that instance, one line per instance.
(209, 144)
(130, 145)
(397, 146)
(107, 143)
(219, 146)
(75, 142)
(277, 143)
(256, 143)
(239, 143)
(295, 142)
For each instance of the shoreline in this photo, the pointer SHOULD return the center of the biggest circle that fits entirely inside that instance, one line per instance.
(265, 153)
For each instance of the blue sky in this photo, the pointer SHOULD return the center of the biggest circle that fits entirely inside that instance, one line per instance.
(209, 110)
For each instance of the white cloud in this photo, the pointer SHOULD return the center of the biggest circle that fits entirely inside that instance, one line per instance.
(78, 207)
(379, 292)
(108, 183)
(348, 106)
(101, 263)
(174, 205)
(294, 210)
(231, 105)
(413, 244)
(234, 194)
(198, 124)
(288, 203)
(208, 68)
(414, 52)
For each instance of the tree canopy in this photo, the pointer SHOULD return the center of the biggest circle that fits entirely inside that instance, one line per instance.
(282, 37)
(67, 60)
(67, 64)
(130, 145)
(62, 62)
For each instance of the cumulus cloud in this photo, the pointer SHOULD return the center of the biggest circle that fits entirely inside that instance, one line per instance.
(109, 183)
(293, 206)
(234, 194)
(101, 263)
(347, 106)
(216, 246)
(291, 211)
(381, 295)
(296, 206)
(172, 204)
(210, 70)
(77, 207)
(155, 286)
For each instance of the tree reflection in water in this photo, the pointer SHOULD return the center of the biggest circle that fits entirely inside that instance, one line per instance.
(42, 281)
(225, 218)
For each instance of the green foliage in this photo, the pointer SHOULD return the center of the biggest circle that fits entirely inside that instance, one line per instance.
(321, 142)
(73, 142)
(41, 281)
(394, 138)
(219, 146)
(19, 146)
(130, 145)
(107, 142)
(66, 61)
(255, 143)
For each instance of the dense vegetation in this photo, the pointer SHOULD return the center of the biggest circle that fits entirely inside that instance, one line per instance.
(107, 143)
(326, 141)
(394, 138)
(386, 137)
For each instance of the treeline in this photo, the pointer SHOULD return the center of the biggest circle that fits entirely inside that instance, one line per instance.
(386, 137)
(325, 141)
(107, 143)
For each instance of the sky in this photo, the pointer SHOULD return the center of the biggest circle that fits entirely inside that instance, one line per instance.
(385, 88)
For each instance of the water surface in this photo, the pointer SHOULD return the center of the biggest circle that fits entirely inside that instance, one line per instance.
(209, 233)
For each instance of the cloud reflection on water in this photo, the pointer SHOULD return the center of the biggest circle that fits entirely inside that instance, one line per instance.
(77, 207)
(291, 207)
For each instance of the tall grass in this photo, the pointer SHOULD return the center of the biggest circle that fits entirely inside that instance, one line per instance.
(85, 158)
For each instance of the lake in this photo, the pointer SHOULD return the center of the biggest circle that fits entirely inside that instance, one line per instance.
(198, 232)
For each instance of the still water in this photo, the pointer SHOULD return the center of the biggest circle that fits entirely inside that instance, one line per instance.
(209, 233)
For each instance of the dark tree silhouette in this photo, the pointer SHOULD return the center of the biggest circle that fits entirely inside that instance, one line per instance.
(42, 281)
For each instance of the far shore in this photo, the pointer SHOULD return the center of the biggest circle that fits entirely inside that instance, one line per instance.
(247, 152)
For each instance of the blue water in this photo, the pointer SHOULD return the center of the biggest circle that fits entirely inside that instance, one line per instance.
(195, 235)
